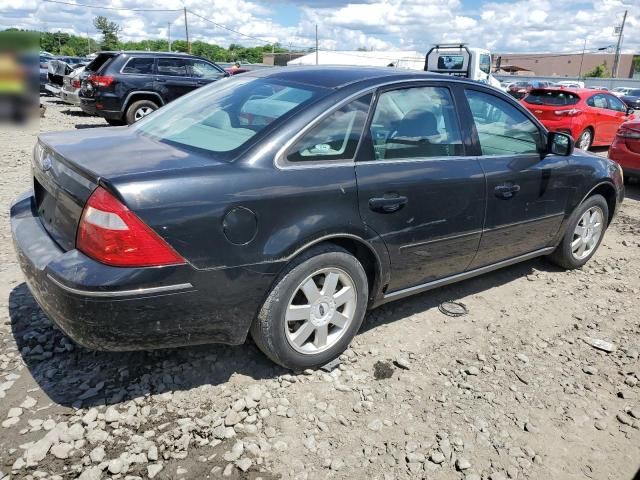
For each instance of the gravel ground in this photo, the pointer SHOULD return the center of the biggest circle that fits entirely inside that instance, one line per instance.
(520, 387)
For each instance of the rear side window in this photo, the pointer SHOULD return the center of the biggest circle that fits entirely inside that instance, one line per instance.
(336, 137)
(139, 66)
(502, 128)
(598, 101)
(552, 97)
(174, 67)
(416, 122)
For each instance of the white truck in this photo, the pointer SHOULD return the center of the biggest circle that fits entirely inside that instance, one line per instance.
(462, 61)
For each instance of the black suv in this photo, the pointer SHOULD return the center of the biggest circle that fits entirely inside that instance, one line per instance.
(123, 87)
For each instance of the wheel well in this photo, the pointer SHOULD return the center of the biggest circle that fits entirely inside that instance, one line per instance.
(609, 194)
(143, 96)
(365, 256)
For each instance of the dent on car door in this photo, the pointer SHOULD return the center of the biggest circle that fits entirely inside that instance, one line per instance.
(416, 188)
(527, 192)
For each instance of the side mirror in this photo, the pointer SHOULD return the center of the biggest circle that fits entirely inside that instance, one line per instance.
(630, 111)
(559, 144)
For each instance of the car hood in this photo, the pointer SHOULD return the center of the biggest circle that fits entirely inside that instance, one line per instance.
(115, 152)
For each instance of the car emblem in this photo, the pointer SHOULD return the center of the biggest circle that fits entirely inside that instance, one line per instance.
(46, 163)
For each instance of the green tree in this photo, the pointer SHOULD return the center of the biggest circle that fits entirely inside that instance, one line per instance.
(599, 72)
(109, 30)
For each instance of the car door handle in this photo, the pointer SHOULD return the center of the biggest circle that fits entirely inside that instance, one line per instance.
(388, 204)
(508, 190)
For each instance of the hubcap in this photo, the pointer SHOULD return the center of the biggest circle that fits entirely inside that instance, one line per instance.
(587, 233)
(142, 112)
(320, 310)
(585, 140)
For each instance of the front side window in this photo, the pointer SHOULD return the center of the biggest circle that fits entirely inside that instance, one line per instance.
(225, 115)
(173, 67)
(502, 128)
(139, 66)
(334, 138)
(597, 101)
(485, 63)
(616, 104)
(205, 70)
(415, 123)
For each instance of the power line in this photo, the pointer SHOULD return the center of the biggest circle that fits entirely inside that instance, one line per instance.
(114, 8)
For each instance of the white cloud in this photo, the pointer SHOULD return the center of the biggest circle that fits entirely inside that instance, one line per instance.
(521, 25)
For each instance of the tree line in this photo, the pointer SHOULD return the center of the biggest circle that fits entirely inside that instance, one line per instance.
(59, 43)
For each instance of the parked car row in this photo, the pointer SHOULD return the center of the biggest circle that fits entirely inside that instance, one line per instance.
(123, 87)
(592, 118)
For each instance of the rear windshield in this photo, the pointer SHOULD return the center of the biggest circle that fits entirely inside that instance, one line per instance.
(551, 97)
(226, 115)
(99, 62)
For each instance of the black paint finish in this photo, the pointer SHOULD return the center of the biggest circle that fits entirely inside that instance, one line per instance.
(238, 223)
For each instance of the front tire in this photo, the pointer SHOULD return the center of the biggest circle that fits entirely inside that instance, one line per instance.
(314, 310)
(584, 234)
(140, 109)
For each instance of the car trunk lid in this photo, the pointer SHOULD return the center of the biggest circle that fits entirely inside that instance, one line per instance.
(552, 104)
(68, 167)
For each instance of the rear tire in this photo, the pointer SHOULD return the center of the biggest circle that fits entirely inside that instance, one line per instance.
(585, 231)
(585, 140)
(140, 109)
(314, 310)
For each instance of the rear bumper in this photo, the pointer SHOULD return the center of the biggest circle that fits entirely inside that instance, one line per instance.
(628, 160)
(111, 308)
(53, 89)
(70, 96)
(88, 106)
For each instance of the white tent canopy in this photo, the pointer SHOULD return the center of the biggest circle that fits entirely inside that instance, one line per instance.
(402, 59)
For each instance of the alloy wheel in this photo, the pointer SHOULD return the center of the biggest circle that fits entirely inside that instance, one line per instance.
(320, 310)
(142, 112)
(587, 233)
(585, 140)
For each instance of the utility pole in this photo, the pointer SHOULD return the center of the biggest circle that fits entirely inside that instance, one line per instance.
(169, 34)
(88, 42)
(616, 61)
(584, 47)
(186, 30)
(316, 44)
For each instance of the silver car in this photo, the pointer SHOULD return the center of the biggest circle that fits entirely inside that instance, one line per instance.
(71, 86)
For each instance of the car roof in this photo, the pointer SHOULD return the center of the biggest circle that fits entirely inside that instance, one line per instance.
(146, 53)
(327, 76)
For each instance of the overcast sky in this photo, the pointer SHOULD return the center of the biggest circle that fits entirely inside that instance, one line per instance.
(505, 26)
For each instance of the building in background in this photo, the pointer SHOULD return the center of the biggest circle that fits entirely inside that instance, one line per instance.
(280, 59)
(562, 65)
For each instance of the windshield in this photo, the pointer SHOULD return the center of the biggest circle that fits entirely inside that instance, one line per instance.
(552, 97)
(226, 115)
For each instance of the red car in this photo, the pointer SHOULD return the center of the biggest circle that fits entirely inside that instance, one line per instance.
(625, 148)
(591, 117)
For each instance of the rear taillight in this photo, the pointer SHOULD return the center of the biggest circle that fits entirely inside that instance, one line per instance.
(574, 112)
(101, 80)
(625, 132)
(75, 83)
(112, 234)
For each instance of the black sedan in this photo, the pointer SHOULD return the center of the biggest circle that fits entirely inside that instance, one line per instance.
(632, 99)
(287, 202)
